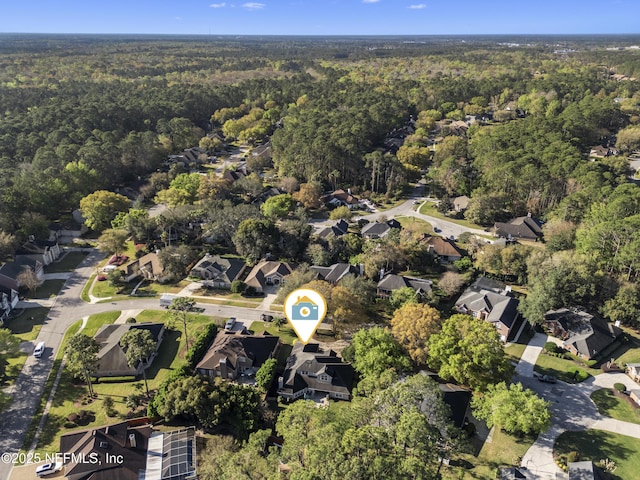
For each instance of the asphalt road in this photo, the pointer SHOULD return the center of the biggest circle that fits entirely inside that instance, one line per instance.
(68, 309)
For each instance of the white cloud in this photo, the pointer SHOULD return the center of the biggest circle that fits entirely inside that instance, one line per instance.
(218, 5)
(253, 6)
(370, 1)
(419, 6)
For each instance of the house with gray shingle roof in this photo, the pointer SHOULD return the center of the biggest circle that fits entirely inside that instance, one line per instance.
(390, 282)
(582, 333)
(490, 301)
(267, 272)
(112, 359)
(379, 229)
(335, 272)
(10, 271)
(312, 369)
(525, 228)
(218, 272)
(340, 228)
(231, 355)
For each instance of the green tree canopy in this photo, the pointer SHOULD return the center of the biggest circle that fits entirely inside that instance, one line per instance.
(99, 208)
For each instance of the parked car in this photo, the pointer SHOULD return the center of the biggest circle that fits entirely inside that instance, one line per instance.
(39, 350)
(48, 469)
(266, 318)
(230, 323)
(547, 378)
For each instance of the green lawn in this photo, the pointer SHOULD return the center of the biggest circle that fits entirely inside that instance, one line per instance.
(629, 349)
(286, 333)
(615, 407)
(503, 450)
(49, 288)
(227, 295)
(71, 396)
(87, 288)
(94, 322)
(596, 445)
(27, 325)
(562, 368)
(68, 263)
(430, 208)
(415, 225)
(515, 350)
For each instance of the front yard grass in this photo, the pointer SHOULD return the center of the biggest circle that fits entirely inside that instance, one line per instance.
(596, 445)
(48, 289)
(430, 208)
(68, 263)
(71, 396)
(27, 325)
(503, 450)
(563, 369)
(615, 407)
(415, 225)
(286, 333)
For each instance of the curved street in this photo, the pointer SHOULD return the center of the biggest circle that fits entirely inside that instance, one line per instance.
(571, 409)
(68, 308)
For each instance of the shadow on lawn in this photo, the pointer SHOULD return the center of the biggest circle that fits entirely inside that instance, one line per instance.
(167, 353)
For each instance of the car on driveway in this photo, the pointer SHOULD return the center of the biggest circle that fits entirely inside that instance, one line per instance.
(48, 469)
(547, 378)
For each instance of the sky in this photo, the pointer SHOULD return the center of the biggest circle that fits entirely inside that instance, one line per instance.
(321, 17)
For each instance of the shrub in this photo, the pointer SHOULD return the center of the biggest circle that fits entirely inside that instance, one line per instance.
(134, 400)
(70, 425)
(573, 456)
(266, 374)
(130, 320)
(72, 418)
(550, 347)
(201, 344)
(620, 387)
(108, 404)
(238, 286)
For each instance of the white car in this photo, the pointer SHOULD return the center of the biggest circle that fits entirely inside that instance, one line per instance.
(48, 469)
(39, 350)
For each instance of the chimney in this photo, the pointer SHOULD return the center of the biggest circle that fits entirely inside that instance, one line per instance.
(381, 273)
(362, 269)
(132, 440)
(529, 214)
(280, 383)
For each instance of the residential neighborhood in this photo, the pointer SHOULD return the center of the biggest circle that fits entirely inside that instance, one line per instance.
(466, 213)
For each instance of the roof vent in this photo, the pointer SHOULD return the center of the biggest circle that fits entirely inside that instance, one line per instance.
(132, 440)
(104, 445)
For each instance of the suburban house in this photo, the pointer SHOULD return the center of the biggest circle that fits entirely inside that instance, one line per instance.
(8, 301)
(461, 203)
(582, 333)
(379, 229)
(312, 369)
(459, 400)
(335, 272)
(585, 471)
(148, 267)
(10, 271)
(233, 354)
(128, 439)
(633, 370)
(444, 249)
(525, 228)
(390, 282)
(267, 272)
(112, 360)
(340, 228)
(44, 251)
(341, 198)
(233, 175)
(490, 301)
(218, 272)
(600, 151)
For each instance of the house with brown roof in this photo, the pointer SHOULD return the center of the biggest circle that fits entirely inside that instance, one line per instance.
(600, 151)
(112, 359)
(390, 282)
(444, 249)
(582, 333)
(341, 198)
(312, 369)
(525, 228)
(148, 267)
(233, 354)
(112, 452)
(267, 273)
(218, 272)
(490, 301)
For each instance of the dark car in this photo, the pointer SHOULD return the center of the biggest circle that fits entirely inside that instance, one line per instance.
(266, 318)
